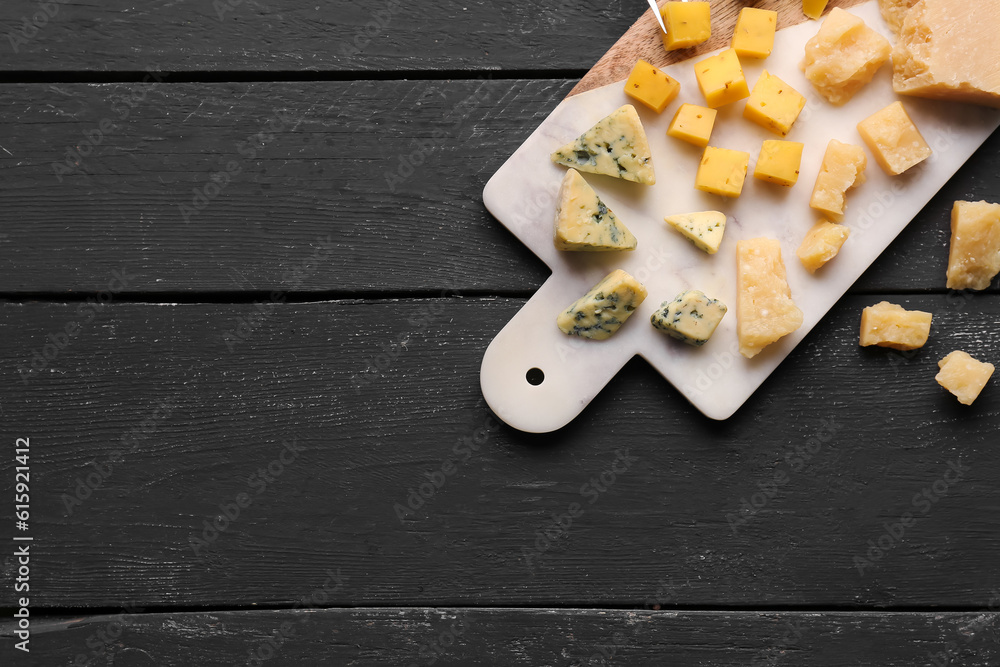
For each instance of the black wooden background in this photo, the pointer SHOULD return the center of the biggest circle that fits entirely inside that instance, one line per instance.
(252, 234)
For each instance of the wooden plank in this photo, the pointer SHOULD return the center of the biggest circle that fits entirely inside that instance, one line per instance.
(510, 637)
(334, 36)
(643, 40)
(831, 453)
(335, 161)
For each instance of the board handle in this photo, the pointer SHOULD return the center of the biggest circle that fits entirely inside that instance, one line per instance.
(536, 378)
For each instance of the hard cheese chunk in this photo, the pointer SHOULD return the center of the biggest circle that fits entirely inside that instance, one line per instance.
(774, 104)
(889, 325)
(843, 168)
(722, 171)
(895, 11)
(603, 310)
(584, 222)
(721, 79)
(765, 311)
(779, 162)
(754, 34)
(975, 245)
(693, 124)
(947, 49)
(704, 229)
(843, 56)
(651, 86)
(687, 24)
(616, 146)
(813, 8)
(894, 139)
(822, 243)
(964, 376)
(692, 317)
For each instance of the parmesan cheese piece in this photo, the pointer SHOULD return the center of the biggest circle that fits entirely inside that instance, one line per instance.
(843, 56)
(947, 49)
(894, 140)
(843, 168)
(964, 376)
(616, 146)
(894, 11)
(890, 325)
(584, 222)
(765, 311)
(974, 259)
(822, 243)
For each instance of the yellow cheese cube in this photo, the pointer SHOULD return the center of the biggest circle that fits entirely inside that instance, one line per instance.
(974, 259)
(813, 8)
(651, 86)
(693, 124)
(722, 171)
(843, 56)
(843, 168)
(765, 311)
(964, 376)
(774, 104)
(687, 24)
(822, 243)
(894, 139)
(779, 162)
(754, 34)
(721, 79)
(889, 325)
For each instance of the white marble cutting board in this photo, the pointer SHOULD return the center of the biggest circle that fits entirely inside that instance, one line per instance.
(715, 378)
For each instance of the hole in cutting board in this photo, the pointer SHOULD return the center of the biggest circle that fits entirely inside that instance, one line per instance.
(534, 376)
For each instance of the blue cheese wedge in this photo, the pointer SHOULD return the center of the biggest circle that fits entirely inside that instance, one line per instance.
(704, 229)
(692, 317)
(584, 222)
(603, 310)
(615, 147)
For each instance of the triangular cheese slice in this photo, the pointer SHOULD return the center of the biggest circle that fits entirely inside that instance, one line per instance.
(615, 147)
(584, 222)
(705, 229)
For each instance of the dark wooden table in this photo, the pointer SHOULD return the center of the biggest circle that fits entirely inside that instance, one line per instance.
(247, 282)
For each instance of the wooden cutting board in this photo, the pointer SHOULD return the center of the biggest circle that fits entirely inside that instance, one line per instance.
(642, 40)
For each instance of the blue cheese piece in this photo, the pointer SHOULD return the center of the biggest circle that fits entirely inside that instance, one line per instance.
(584, 222)
(704, 229)
(692, 317)
(600, 312)
(615, 147)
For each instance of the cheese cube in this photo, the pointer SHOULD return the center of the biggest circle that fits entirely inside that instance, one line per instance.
(651, 86)
(721, 79)
(687, 24)
(894, 139)
(692, 317)
(754, 34)
(974, 259)
(947, 49)
(616, 146)
(722, 171)
(813, 8)
(584, 222)
(693, 124)
(821, 244)
(704, 229)
(599, 313)
(774, 104)
(889, 325)
(843, 56)
(779, 162)
(964, 376)
(765, 311)
(843, 168)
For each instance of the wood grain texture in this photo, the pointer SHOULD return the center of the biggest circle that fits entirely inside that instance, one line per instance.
(332, 36)
(642, 40)
(309, 161)
(510, 637)
(855, 434)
